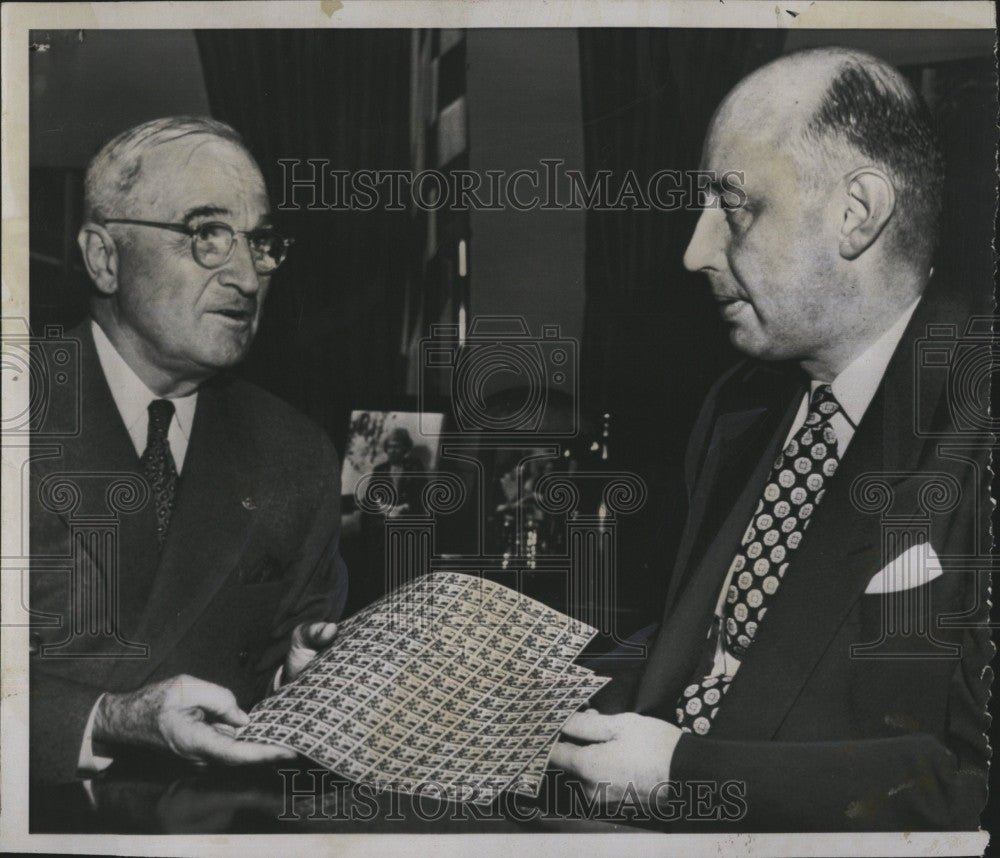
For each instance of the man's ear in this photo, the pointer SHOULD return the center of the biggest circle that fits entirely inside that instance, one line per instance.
(871, 200)
(100, 255)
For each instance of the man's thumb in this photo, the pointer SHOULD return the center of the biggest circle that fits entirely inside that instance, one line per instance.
(324, 634)
(316, 635)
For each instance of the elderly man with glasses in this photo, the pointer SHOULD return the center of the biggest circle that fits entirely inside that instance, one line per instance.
(221, 575)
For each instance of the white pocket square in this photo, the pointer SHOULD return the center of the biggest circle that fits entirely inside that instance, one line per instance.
(915, 567)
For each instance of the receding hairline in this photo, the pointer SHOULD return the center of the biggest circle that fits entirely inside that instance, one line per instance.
(778, 102)
(116, 170)
(191, 138)
(830, 110)
(774, 96)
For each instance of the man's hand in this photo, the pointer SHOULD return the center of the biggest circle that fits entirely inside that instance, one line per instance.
(628, 749)
(189, 717)
(307, 640)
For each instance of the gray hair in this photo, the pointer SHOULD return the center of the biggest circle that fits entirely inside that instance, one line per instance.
(113, 172)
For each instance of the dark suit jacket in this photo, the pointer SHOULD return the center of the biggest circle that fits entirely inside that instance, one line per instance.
(252, 550)
(823, 738)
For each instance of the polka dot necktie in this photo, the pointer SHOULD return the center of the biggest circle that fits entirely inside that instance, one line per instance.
(795, 487)
(158, 464)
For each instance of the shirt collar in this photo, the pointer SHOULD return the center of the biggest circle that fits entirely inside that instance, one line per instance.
(130, 393)
(856, 385)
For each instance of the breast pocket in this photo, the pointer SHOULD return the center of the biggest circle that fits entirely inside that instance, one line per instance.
(901, 662)
(917, 621)
(901, 624)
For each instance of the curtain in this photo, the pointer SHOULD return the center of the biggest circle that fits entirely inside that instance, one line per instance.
(330, 336)
(652, 342)
(648, 96)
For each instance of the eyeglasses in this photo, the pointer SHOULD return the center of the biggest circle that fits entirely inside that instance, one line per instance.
(212, 243)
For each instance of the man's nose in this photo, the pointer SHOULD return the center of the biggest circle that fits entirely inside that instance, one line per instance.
(239, 270)
(706, 250)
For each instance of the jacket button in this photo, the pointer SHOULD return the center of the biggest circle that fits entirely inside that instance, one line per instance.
(243, 656)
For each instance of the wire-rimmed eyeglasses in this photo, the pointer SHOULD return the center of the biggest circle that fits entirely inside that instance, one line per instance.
(212, 243)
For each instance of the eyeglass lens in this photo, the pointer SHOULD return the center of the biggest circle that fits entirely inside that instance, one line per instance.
(213, 244)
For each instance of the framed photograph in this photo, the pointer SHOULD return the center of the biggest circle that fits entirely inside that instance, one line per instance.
(381, 441)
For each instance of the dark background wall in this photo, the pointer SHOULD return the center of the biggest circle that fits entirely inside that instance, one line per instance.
(85, 87)
(530, 263)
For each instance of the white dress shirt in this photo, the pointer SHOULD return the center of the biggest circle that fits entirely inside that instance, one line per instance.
(132, 398)
(854, 388)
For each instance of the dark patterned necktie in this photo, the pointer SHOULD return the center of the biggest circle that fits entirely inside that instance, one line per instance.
(795, 487)
(158, 464)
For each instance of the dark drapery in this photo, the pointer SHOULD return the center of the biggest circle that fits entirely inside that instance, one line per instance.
(652, 343)
(332, 327)
(652, 340)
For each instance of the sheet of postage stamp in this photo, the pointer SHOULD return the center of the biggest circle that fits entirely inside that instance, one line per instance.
(405, 685)
(559, 427)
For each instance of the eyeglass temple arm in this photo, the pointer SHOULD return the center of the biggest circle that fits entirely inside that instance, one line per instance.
(173, 227)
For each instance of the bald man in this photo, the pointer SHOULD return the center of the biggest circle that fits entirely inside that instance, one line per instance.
(820, 647)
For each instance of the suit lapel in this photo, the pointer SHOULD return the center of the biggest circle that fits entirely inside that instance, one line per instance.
(733, 455)
(99, 454)
(824, 581)
(103, 444)
(210, 526)
(712, 533)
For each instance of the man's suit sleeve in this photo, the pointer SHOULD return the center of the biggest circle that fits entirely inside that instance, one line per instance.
(59, 709)
(930, 778)
(902, 783)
